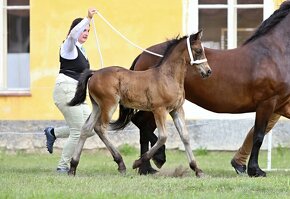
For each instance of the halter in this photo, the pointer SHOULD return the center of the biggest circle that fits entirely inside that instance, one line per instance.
(192, 61)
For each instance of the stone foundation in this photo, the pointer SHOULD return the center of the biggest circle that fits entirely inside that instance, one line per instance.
(206, 134)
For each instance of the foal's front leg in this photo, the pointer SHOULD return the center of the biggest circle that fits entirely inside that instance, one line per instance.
(179, 122)
(160, 119)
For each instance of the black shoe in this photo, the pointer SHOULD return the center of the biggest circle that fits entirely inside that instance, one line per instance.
(240, 169)
(50, 138)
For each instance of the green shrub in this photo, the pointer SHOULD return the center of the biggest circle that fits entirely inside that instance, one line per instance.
(127, 149)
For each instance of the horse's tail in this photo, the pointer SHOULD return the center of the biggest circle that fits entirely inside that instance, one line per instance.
(125, 114)
(81, 92)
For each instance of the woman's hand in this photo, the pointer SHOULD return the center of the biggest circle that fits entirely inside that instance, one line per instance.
(91, 12)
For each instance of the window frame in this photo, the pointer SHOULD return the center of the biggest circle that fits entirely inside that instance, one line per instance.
(4, 91)
(191, 16)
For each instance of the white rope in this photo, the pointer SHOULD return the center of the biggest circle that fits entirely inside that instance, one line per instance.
(192, 61)
(98, 44)
(120, 34)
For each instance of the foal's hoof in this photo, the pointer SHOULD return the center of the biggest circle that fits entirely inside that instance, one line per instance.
(199, 173)
(122, 171)
(122, 168)
(137, 163)
(159, 158)
(256, 172)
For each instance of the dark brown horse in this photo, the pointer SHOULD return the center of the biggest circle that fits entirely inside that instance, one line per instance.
(160, 90)
(252, 78)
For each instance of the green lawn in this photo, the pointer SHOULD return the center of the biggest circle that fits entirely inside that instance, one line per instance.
(32, 175)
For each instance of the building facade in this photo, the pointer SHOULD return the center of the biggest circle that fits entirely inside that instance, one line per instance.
(32, 31)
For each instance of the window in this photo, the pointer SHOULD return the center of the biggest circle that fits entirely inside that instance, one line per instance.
(226, 23)
(14, 47)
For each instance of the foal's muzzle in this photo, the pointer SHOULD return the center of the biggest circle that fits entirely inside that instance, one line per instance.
(205, 70)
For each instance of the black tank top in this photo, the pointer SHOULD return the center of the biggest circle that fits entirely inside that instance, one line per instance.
(74, 67)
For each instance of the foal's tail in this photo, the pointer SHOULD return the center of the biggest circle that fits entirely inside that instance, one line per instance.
(81, 92)
(125, 114)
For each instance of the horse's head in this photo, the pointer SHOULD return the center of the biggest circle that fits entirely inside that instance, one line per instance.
(196, 54)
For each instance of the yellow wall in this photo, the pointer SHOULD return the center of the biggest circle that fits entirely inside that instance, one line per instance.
(144, 22)
(277, 3)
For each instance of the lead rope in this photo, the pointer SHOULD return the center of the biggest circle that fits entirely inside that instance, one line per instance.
(121, 35)
(192, 61)
(98, 44)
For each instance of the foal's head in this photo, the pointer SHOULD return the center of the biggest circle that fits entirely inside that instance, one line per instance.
(195, 54)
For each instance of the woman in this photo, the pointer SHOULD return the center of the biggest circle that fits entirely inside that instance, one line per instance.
(73, 61)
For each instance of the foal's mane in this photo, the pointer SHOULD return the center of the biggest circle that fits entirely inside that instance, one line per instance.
(271, 22)
(171, 44)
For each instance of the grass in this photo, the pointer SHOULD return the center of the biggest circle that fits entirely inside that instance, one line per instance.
(32, 175)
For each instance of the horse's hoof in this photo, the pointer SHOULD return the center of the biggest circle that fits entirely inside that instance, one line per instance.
(256, 172)
(158, 163)
(240, 169)
(71, 172)
(148, 170)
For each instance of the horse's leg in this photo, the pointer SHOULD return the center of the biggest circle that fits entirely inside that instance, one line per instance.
(240, 158)
(179, 122)
(106, 114)
(160, 118)
(263, 113)
(145, 122)
(86, 131)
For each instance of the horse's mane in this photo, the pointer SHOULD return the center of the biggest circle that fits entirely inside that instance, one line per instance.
(272, 21)
(170, 46)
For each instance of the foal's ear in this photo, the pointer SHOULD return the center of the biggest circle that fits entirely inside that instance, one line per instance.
(199, 34)
(196, 36)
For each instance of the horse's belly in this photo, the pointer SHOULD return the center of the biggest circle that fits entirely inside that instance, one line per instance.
(224, 106)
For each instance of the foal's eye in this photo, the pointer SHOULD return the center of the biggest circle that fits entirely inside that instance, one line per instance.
(198, 51)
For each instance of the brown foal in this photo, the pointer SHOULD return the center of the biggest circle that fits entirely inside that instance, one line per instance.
(158, 89)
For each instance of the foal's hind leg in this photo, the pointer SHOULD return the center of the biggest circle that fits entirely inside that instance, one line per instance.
(86, 131)
(115, 153)
(179, 122)
(101, 128)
